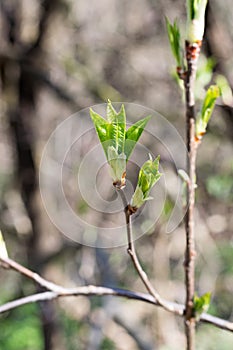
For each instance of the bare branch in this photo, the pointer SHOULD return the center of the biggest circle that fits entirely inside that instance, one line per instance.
(85, 291)
(104, 291)
(56, 291)
(9, 263)
(133, 255)
(218, 322)
(189, 263)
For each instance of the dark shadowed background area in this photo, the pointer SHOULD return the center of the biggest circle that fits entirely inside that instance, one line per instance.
(56, 58)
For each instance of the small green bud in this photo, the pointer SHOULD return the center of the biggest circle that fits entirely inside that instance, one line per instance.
(201, 304)
(148, 176)
(207, 109)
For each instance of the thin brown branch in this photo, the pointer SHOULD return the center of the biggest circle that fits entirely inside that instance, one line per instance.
(189, 263)
(85, 291)
(133, 255)
(9, 263)
(56, 291)
(218, 322)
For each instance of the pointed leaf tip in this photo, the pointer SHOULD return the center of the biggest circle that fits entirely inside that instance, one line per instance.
(133, 134)
(174, 40)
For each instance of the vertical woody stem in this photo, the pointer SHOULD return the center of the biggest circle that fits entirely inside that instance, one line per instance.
(192, 52)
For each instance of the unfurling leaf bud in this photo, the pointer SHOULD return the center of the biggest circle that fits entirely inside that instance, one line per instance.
(117, 142)
(207, 109)
(148, 176)
(201, 304)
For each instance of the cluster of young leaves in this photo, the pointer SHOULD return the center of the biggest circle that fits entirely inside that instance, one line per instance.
(148, 176)
(201, 304)
(118, 144)
(195, 29)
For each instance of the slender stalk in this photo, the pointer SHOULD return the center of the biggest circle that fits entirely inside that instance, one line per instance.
(9, 263)
(133, 255)
(192, 52)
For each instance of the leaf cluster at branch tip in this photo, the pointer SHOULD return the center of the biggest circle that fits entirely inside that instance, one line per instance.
(117, 142)
(148, 176)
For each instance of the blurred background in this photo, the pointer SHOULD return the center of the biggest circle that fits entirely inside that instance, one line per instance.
(56, 58)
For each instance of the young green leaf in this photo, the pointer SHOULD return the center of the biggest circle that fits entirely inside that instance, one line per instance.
(133, 134)
(117, 124)
(207, 109)
(148, 176)
(111, 112)
(117, 143)
(102, 129)
(174, 39)
(201, 304)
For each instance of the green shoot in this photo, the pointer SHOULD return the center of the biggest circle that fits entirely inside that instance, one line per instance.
(201, 304)
(207, 109)
(148, 176)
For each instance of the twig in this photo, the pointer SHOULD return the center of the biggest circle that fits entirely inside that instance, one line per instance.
(218, 322)
(133, 255)
(56, 291)
(9, 263)
(192, 52)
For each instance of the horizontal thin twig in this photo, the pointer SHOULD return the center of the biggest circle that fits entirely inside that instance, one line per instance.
(56, 291)
(105, 291)
(9, 263)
